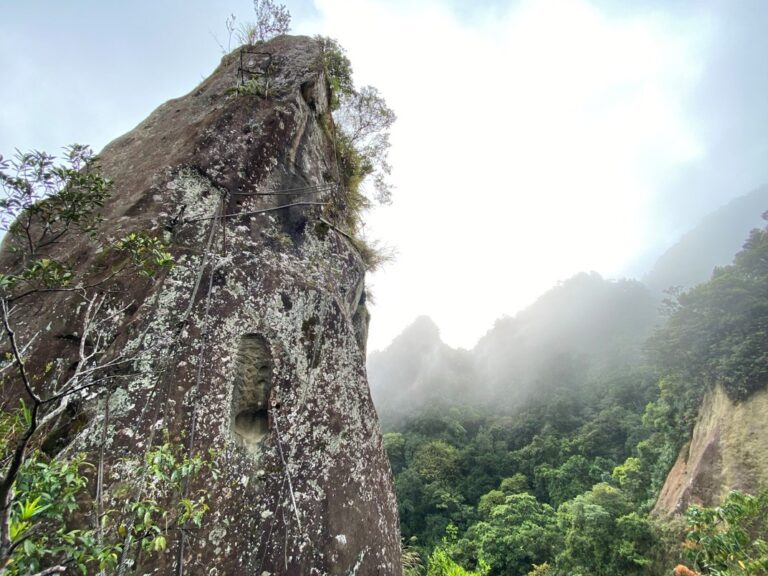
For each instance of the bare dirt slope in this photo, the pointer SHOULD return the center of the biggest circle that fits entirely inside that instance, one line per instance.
(728, 450)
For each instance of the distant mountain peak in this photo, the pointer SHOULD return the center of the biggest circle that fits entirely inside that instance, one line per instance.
(711, 243)
(423, 329)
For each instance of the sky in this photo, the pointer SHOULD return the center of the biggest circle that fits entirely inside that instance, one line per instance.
(535, 138)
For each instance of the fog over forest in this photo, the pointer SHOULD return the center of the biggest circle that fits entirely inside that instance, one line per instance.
(583, 328)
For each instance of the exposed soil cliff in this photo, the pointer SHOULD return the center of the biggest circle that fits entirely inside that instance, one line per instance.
(251, 344)
(727, 451)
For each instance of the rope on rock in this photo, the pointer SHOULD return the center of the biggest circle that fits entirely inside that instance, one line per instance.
(253, 212)
(198, 380)
(300, 191)
(100, 477)
(171, 360)
(285, 468)
(278, 503)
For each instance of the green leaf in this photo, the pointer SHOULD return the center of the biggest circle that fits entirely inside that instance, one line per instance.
(159, 544)
(29, 547)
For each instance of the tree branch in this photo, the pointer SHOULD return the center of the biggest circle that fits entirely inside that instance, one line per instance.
(17, 354)
(52, 570)
(19, 453)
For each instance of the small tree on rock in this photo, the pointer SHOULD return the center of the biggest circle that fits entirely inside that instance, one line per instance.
(271, 20)
(365, 120)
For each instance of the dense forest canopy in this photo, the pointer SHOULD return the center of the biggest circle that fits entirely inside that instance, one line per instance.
(559, 475)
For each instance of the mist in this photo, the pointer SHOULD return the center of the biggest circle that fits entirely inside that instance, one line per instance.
(584, 329)
(536, 139)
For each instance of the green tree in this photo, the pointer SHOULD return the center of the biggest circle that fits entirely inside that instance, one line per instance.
(441, 561)
(632, 478)
(365, 120)
(514, 484)
(441, 564)
(718, 332)
(394, 444)
(45, 203)
(575, 476)
(604, 536)
(436, 461)
(517, 534)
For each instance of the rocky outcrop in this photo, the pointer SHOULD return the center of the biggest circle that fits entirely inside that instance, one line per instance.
(727, 451)
(253, 345)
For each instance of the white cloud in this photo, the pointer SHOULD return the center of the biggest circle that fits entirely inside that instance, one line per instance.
(528, 147)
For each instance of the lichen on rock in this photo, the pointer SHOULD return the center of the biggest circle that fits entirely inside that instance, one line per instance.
(253, 345)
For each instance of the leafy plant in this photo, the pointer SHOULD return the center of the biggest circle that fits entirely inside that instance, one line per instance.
(364, 119)
(411, 560)
(51, 494)
(47, 495)
(728, 540)
(517, 533)
(338, 70)
(43, 200)
(542, 570)
(255, 86)
(603, 535)
(148, 253)
(166, 506)
(44, 505)
(360, 127)
(441, 564)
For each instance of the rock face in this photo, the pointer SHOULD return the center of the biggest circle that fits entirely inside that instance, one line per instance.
(727, 451)
(253, 344)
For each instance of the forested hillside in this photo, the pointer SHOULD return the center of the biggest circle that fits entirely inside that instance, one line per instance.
(559, 477)
(585, 328)
(713, 242)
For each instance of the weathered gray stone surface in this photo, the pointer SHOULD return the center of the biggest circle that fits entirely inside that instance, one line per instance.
(253, 339)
